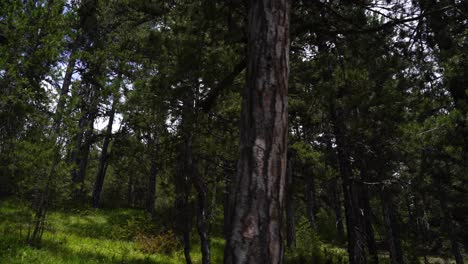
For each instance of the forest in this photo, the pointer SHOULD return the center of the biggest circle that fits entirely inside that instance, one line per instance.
(234, 131)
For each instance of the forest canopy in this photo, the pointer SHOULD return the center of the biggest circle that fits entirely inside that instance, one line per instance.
(235, 131)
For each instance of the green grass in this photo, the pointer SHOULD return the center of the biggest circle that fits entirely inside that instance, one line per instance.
(84, 236)
(108, 236)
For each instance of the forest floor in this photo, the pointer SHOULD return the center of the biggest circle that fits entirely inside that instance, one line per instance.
(90, 236)
(110, 236)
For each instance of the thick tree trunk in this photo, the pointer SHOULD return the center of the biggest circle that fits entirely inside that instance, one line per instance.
(101, 174)
(290, 210)
(255, 235)
(391, 223)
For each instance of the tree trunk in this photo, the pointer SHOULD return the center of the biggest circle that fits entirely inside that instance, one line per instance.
(150, 203)
(202, 221)
(130, 191)
(83, 141)
(336, 203)
(184, 212)
(449, 228)
(67, 79)
(84, 158)
(391, 222)
(101, 174)
(228, 200)
(367, 215)
(255, 235)
(40, 207)
(356, 243)
(311, 198)
(75, 159)
(290, 213)
(185, 176)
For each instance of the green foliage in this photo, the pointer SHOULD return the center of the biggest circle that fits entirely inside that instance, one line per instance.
(82, 236)
(397, 93)
(310, 249)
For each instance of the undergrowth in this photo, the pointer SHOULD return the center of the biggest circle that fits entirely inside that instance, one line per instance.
(92, 236)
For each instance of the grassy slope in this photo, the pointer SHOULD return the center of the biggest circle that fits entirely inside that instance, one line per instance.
(107, 236)
(89, 236)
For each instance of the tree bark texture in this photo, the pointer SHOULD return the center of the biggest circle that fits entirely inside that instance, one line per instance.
(290, 210)
(255, 235)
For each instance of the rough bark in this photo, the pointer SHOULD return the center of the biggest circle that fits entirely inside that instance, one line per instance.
(290, 210)
(101, 174)
(255, 235)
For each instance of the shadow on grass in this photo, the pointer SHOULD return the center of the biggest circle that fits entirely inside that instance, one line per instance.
(13, 249)
(82, 256)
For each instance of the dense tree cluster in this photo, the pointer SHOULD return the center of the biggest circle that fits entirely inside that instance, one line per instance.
(129, 103)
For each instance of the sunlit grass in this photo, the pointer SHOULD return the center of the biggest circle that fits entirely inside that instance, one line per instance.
(87, 236)
(108, 236)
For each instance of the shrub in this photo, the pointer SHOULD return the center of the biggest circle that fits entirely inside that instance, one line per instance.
(164, 243)
(311, 250)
